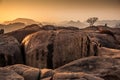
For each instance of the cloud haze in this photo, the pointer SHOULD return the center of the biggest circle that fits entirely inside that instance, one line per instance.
(59, 10)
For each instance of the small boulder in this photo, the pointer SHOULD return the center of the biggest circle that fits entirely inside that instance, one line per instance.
(7, 74)
(45, 73)
(29, 73)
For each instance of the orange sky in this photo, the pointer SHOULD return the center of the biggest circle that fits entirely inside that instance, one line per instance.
(59, 10)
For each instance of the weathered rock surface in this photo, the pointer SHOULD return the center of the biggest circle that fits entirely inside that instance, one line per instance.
(29, 73)
(22, 33)
(7, 74)
(9, 51)
(75, 76)
(51, 49)
(103, 67)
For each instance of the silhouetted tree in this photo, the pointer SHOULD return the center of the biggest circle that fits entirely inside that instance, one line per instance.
(92, 20)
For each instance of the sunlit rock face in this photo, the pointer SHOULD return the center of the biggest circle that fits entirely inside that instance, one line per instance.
(23, 32)
(10, 52)
(51, 49)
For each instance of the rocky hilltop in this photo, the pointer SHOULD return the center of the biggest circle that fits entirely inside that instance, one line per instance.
(60, 53)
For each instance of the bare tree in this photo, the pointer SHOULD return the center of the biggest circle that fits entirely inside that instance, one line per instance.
(92, 20)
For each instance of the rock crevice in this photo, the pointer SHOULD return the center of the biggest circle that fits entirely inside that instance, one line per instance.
(50, 48)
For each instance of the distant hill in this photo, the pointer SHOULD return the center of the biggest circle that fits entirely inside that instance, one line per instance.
(12, 26)
(111, 23)
(22, 20)
(73, 23)
(18, 23)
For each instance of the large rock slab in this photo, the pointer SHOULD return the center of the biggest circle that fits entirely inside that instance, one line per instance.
(104, 67)
(52, 49)
(75, 76)
(7, 74)
(10, 52)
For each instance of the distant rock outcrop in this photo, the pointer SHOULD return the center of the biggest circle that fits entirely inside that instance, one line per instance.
(10, 52)
(21, 33)
(51, 49)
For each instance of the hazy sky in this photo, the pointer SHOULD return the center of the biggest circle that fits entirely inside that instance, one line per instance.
(59, 10)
